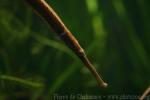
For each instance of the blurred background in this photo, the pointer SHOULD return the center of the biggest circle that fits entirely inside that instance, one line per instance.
(36, 65)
